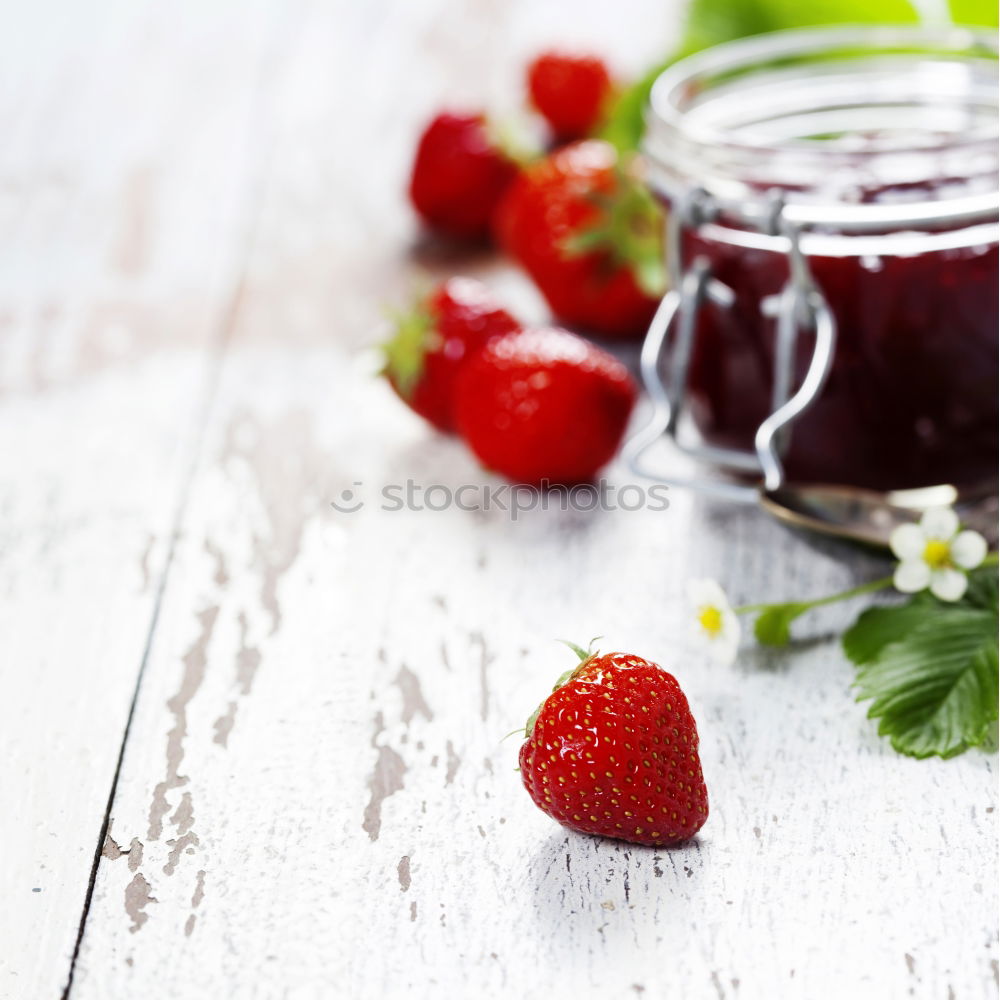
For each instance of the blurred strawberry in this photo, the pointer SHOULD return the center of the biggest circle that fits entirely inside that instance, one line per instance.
(589, 233)
(571, 91)
(543, 405)
(435, 339)
(459, 175)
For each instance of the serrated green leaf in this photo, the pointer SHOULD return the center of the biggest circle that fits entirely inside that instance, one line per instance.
(772, 626)
(984, 584)
(930, 669)
(877, 627)
(934, 692)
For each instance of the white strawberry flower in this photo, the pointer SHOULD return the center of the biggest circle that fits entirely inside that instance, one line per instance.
(936, 554)
(715, 624)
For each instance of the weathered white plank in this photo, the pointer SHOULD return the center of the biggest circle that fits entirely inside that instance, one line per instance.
(125, 169)
(355, 791)
(315, 800)
(305, 795)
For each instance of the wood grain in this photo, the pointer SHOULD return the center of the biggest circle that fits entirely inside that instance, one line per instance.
(124, 197)
(315, 799)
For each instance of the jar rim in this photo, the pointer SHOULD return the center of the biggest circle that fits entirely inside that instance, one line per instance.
(688, 144)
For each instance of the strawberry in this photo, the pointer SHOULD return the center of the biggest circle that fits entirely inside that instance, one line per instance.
(614, 751)
(543, 404)
(587, 231)
(571, 91)
(434, 340)
(459, 175)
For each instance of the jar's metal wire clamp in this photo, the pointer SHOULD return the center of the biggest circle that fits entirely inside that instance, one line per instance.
(666, 360)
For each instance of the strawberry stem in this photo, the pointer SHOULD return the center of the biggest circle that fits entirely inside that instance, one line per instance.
(843, 595)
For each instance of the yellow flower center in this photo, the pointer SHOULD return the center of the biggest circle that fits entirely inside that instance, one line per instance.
(711, 620)
(937, 554)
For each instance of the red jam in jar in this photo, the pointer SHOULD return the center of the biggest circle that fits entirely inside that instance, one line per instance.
(881, 146)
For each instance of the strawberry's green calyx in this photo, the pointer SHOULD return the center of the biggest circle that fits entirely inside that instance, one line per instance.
(628, 229)
(511, 140)
(529, 727)
(415, 336)
(585, 656)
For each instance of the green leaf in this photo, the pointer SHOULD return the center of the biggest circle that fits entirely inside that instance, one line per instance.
(772, 625)
(930, 669)
(625, 123)
(711, 22)
(976, 12)
(983, 587)
(876, 628)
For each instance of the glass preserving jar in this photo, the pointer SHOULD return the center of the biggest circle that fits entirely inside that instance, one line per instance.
(832, 197)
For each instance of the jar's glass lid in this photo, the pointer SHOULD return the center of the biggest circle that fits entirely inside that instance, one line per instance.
(860, 120)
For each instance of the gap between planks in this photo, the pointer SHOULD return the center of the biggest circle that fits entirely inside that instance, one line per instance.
(254, 211)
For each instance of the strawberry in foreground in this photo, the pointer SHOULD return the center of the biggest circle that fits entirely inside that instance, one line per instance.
(614, 751)
(459, 176)
(435, 339)
(571, 91)
(543, 404)
(589, 234)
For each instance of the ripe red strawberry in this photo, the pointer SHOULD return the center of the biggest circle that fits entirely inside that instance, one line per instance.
(571, 90)
(434, 340)
(543, 405)
(459, 175)
(614, 751)
(587, 231)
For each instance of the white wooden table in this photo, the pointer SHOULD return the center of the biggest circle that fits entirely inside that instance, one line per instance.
(250, 747)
